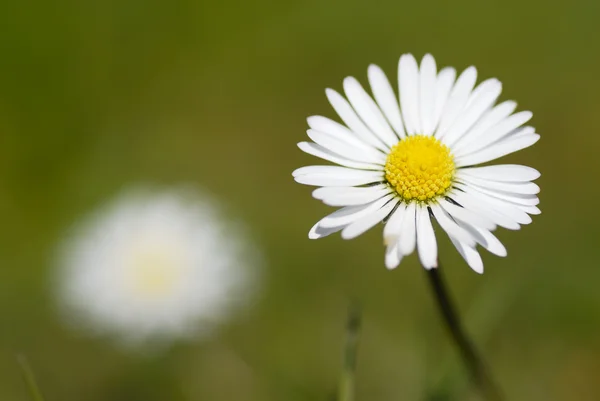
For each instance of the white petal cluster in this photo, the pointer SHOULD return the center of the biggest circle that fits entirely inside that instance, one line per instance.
(459, 114)
(155, 266)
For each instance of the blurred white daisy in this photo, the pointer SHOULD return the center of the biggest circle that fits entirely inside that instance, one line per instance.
(405, 159)
(155, 266)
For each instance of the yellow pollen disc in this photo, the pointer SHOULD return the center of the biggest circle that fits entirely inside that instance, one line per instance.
(153, 273)
(420, 168)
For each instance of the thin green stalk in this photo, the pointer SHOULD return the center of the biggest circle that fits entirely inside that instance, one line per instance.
(347, 378)
(28, 376)
(473, 361)
(497, 296)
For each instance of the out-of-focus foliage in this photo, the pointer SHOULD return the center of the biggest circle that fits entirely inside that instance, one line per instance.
(95, 96)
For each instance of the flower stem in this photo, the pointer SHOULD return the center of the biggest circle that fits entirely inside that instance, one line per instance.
(473, 361)
(346, 385)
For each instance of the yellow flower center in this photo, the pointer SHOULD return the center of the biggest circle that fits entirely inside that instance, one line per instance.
(420, 168)
(154, 273)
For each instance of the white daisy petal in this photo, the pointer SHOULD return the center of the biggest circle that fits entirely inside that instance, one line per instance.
(350, 214)
(484, 209)
(327, 192)
(347, 146)
(317, 231)
(393, 227)
(518, 133)
(467, 215)
(443, 85)
(470, 255)
(408, 78)
(334, 176)
(491, 243)
(367, 222)
(501, 206)
(318, 180)
(482, 99)
(489, 85)
(325, 154)
(427, 75)
(457, 101)
(334, 170)
(488, 120)
(386, 99)
(530, 209)
(337, 130)
(502, 172)
(451, 227)
(525, 188)
(496, 151)
(499, 131)
(329, 180)
(369, 112)
(348, 115)
(408, 231)
(426, 239)
(342, 148)
(509, 197)
(340, 132)
(393, 257)
(350, 196)
(486, 239)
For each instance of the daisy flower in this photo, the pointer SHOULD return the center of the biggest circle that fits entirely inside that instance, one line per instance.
(161, 266)
(409, 159)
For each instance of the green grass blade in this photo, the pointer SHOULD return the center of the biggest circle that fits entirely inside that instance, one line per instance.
(28, 376)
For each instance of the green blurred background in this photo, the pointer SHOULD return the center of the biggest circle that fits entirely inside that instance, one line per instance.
(99, 95)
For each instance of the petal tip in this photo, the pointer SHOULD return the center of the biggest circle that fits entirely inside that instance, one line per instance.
(373, 68)
(391, 266)
(428, 58)
(477, 267)
(330, 93)
(312, 234)
(346, 235)
(350, 82)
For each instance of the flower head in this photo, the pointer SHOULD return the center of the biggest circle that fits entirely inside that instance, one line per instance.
(158, 266)
(409, 159)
